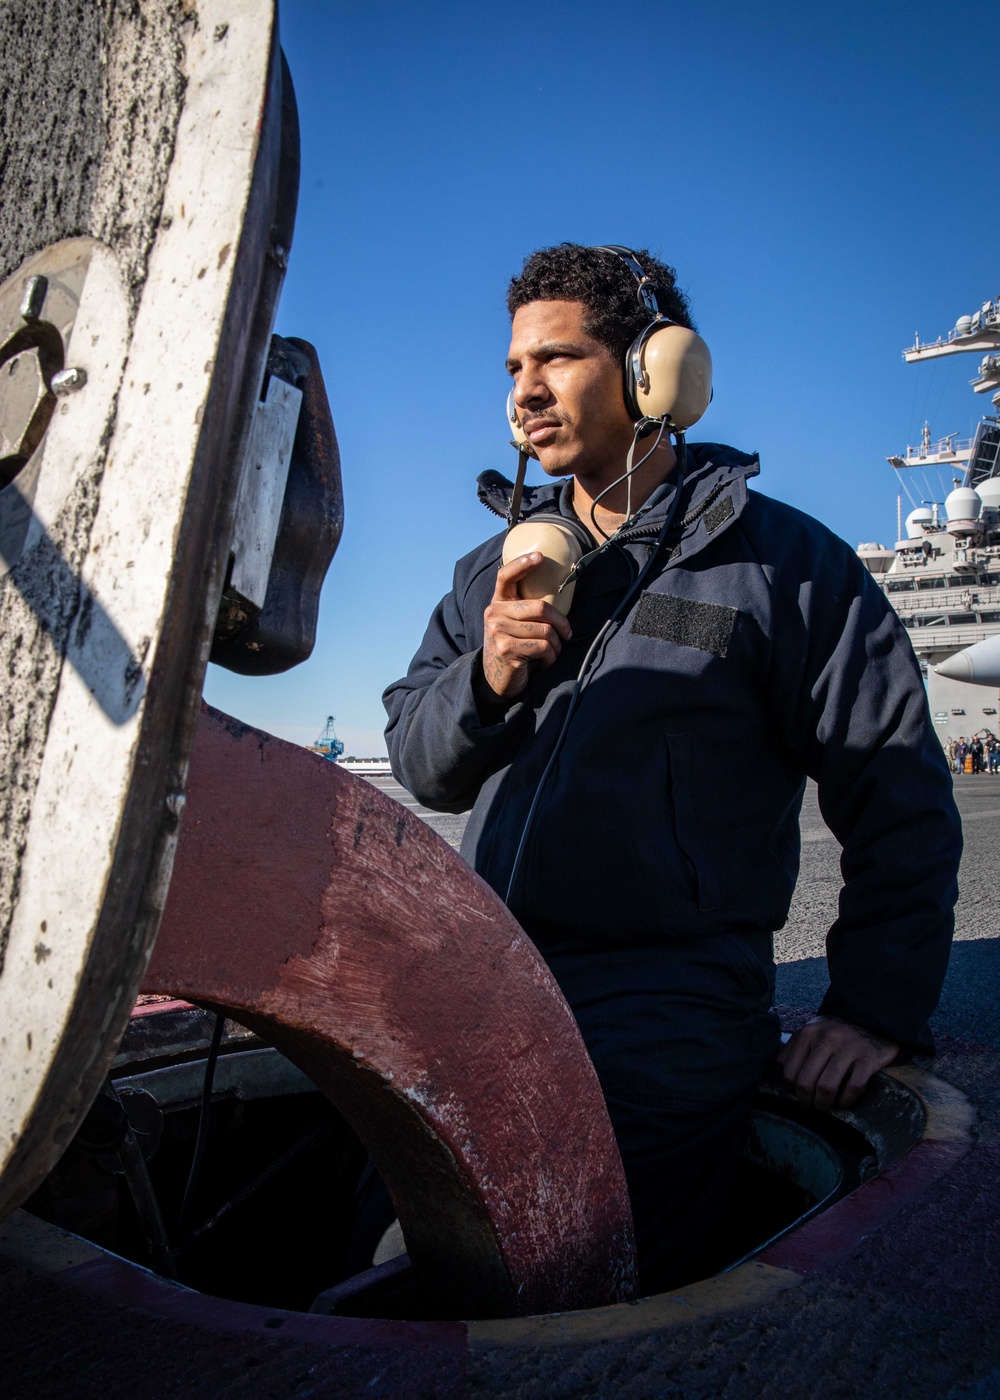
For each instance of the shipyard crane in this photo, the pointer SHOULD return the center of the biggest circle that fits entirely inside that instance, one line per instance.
(328, 744)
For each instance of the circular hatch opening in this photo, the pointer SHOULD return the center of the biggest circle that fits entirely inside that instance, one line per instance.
(286, 1211)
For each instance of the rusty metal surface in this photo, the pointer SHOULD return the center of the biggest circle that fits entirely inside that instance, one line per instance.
(325, 917)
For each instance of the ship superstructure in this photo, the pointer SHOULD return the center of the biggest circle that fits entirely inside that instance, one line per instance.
(943, 574)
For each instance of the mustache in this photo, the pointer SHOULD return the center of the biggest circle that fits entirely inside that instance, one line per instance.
(537, 420)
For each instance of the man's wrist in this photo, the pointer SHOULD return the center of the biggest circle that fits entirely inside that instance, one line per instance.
(491, 707)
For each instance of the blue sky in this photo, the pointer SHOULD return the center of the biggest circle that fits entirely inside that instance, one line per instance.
(820, 176)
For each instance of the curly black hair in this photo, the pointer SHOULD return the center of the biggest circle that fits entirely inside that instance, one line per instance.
(572, 272)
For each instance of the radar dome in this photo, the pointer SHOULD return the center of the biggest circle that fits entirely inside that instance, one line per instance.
(962, 508)
(963, 326)
(989, 493)
(917, 521)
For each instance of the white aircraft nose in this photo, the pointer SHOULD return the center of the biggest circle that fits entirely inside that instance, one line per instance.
(979, 664)
(956, 668)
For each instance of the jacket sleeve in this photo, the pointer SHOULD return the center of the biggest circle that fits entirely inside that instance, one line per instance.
(439, 748)
(849, 689)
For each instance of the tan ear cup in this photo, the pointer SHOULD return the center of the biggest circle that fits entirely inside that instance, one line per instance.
(560, 549)
(672, 369)
(517, 432)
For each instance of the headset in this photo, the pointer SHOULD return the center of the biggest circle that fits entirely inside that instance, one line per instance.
(667, 369)
(667, 384)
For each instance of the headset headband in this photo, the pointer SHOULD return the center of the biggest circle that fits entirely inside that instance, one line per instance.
(646, 294)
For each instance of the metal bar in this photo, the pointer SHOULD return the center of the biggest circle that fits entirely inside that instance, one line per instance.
(144, 1197)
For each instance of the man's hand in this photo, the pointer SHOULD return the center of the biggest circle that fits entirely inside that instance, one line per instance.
(829, 1062)
(519, 632)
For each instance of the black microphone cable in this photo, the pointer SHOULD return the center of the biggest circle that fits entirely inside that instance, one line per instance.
(574, 697)
(204, 1121)
(627, 475)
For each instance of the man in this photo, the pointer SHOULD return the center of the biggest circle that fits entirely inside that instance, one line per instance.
(651, 872)
(977, 754)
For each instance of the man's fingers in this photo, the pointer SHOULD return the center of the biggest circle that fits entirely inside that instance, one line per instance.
(828, 1086)
(506, 598)
(519, 633)
(855, 1084)
(819, 1082)
(503, 610)
(518, 651)
(557, 620)
(510, 575)
(523, 627)
(793, 1056)
(808, 1073)
(809, 1062)
(829, 1061)
(864, 1070)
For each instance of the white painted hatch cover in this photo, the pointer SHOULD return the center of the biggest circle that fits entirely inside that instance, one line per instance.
(136, 352)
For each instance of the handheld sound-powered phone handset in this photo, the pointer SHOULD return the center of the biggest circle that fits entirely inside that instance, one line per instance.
(560, 546)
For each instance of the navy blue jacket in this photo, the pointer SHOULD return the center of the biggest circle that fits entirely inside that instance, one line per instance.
(759, 653)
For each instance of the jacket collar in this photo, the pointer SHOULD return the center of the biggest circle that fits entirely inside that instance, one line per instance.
(714, 495)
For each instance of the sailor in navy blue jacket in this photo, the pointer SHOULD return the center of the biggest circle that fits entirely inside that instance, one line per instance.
(758, 653)
(761, 653)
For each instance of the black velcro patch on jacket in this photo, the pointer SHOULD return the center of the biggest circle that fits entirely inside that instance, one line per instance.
(707, 626)
(721, 511)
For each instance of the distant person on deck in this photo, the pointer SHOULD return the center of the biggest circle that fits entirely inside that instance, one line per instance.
(977, 755)
(650, 870)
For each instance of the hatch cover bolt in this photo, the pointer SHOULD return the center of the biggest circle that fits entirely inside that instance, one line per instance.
(68, 381)
(35, 290)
